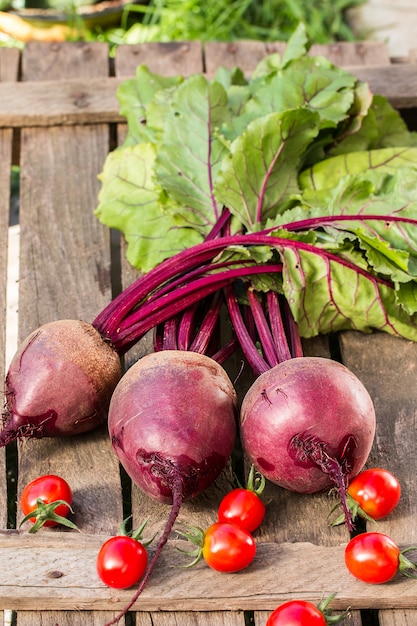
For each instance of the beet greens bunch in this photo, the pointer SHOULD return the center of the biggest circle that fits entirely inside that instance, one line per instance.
(298, 177)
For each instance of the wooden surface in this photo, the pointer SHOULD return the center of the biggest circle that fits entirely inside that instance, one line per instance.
(70, 267)
(75, 100)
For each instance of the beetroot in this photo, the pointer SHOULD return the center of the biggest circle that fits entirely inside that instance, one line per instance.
(65, 355)
(172, 422)
(308, 423)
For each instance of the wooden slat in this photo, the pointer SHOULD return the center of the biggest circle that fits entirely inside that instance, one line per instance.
(65, 271)
(192, 618)
(60, 576)
(200, 511)
(399, 617)
(248, 54)
(63, 101)
(169, 59)
(367, 53)
(6, 139)
(388, 368)
(67, 618)
(93, 101)
(9, 69)
(9, 65)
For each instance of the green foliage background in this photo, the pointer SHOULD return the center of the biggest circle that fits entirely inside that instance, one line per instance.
(225, 20)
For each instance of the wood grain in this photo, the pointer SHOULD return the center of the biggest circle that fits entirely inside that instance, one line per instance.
(68, 101)
(65, 271)
(52, 579)
(9, 69)
(5, 171)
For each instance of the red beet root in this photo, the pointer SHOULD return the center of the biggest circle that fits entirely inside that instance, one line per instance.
(58, 352)
(172, 422)
(308, 424)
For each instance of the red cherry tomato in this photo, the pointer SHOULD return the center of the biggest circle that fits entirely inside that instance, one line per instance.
(242, 507)
(372, 557)
(121, 561)
(376, 491)
(296, 613)
(48, 489)
(228, 548)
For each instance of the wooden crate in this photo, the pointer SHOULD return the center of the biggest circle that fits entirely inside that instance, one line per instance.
(58, 120)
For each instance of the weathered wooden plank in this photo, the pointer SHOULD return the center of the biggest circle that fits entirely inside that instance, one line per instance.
(6, 142)
(388, 368)
(65, 271)
(249, 53)
(64, 101)
(6, 138)
(76, 101)
(9, 68)
(390, 355)
(369, 53)
(9, 71)
(192, 618)
(60, 575)
(58, 230)
(67, 618)
(200, 510)
(9, 64)
(168, 59)
(399, 617)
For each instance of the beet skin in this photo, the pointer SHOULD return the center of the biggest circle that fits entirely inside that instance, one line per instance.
(59, 382)
(173, 414)
(308, 423)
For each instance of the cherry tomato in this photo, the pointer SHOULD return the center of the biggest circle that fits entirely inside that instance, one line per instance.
(296, 613)
(52, 491)
(121, 561)
(376, 491)
(373, 557)
(242, 507)
(228, 548)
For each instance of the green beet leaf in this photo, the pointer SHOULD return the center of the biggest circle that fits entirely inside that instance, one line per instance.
(388, 247)
(135, 97)
(191, 150)
(327, 173)
(381, 127)
(130, 201)
(259, 176)
(316, 290)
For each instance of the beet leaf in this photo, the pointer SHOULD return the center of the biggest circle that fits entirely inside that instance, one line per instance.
(301, 151)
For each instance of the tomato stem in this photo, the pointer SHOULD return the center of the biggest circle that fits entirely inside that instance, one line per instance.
(256, 481)
(407, 567)
(196, 535)
(323, 607)
(46, 513)
(355, 509)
